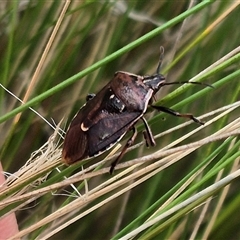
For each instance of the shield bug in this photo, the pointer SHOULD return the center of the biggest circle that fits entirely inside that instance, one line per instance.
(112, 112)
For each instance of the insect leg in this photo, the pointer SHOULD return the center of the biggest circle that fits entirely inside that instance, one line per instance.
(128, 144)
(177, 114)
(148, 134)
(146, 138)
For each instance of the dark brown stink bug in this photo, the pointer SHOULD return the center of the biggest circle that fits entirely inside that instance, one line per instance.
(111, 113)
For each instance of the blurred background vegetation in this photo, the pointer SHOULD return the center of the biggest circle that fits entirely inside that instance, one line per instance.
(53, 53)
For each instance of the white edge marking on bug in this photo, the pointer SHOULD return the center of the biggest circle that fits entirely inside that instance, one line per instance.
(147, 98)
(84, 129)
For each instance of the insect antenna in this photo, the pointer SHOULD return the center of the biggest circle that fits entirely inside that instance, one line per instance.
(182, 82)
(160, 59)
(172, 83)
